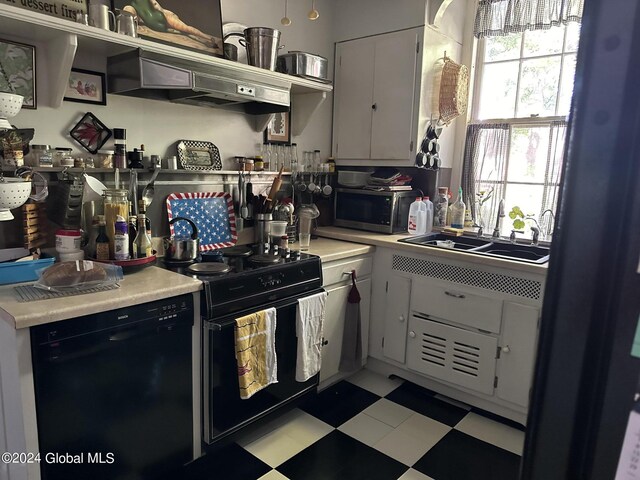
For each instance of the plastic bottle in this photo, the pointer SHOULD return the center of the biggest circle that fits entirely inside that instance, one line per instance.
(429, 222)
(440, 206)
(457, 211)
(417, 217)
(121, 239)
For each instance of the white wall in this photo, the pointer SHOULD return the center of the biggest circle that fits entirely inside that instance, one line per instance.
(159, 124)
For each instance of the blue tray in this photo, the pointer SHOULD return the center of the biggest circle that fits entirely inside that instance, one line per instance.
(18, 272)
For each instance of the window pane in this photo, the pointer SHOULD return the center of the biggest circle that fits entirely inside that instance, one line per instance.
(502, 48)
(528, 154)
(528, 198)
(498, 92)
(543, 42)
(573, 37)
(566, 87)
(539, 87)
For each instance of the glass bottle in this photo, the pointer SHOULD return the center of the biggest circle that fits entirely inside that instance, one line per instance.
(102, 241)
(120, 152)
(142, 208)
(294, 157)
(133, 232)
(268, 157)
(441, 205)
(457, 211)
(142, 245)
(90, 248)
(316, 161)
(116, 202)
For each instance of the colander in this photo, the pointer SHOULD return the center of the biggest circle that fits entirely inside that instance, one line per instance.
(14, 192)
(10, 105)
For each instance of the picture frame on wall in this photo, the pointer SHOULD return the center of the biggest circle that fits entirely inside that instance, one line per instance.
(18, 61)
(86, 86)
(196, 24)
(278, 130)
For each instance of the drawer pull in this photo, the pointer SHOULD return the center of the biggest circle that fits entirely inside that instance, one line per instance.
(454, 295)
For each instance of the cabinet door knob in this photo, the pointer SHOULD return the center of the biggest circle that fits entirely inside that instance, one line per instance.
(412, 334)
(506, 349)
(401, 318)
(325, 342)
(374, 107)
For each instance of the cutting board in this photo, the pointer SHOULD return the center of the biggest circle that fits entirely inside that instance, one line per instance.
(213, 214)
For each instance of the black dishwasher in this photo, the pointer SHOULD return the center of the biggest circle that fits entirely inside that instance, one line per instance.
(114, 392)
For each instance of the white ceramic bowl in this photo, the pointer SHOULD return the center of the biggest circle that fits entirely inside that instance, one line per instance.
(353, 179)
(13, 193)
(10, 105)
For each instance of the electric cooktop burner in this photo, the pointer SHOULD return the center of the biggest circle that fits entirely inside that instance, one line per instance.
(207, 269)
(264, 259)
(239, 251)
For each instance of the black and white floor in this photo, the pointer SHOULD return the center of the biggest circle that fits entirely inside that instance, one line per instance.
(373, 428)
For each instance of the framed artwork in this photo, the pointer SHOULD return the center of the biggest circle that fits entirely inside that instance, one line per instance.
(86, 86)
(18, 61)
(279, 129)
(91, 133)
(198, 155)
(196, 24)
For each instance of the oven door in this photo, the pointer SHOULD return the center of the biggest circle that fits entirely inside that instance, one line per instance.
(224, 411)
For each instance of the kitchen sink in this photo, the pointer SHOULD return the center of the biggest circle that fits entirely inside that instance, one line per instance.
(483, 246)
(458, 243)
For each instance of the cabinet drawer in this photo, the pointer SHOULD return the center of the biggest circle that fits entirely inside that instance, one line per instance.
(333, 272)
(452, 354)
(457, 305)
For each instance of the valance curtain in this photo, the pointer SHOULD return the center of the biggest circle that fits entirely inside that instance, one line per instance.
(497, 18)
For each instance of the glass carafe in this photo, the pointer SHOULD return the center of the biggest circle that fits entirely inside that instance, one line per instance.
(116, 202)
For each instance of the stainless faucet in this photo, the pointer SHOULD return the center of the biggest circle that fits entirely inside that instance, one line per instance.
(496, 231)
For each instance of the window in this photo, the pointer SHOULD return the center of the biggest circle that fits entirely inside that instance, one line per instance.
(524, 84)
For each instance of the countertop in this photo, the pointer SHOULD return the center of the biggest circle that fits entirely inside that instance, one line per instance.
(330, 250)
(391, 241)
(147, 285)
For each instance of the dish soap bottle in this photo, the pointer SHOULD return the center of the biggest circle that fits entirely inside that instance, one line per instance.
(121, 239)
(441, 206)
(457, 211)
(417, 217)
(429, 222)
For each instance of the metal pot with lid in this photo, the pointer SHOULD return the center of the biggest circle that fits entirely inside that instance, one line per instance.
(181, 248)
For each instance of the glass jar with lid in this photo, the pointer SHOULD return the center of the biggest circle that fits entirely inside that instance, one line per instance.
(104, 159)
(41, 156)
(62, 157)
(116, 203)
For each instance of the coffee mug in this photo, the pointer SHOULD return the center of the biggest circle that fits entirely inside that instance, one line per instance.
(126, 24)
(99, 16)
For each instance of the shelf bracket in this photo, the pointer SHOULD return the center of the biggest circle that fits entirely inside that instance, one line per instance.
(436, 11)
(303, 107)
(60, 54)
(261, 121)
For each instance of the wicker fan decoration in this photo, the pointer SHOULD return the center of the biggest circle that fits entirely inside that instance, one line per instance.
(454, 90)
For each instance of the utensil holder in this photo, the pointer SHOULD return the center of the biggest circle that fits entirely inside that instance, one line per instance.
(262, 228)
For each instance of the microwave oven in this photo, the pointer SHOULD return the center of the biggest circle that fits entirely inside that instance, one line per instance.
(383, 212)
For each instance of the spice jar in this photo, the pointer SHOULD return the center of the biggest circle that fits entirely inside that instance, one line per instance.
(105, 159)
(248, 165)
(116, 203)
(40, 156)
(62, 157)
(258, 163)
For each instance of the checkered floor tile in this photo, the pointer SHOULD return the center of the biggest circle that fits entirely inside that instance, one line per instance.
(372, 428)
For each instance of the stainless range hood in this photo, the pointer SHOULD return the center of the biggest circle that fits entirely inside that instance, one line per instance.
(159, 77)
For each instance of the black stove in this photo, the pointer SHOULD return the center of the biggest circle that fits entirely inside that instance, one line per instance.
(241, 278)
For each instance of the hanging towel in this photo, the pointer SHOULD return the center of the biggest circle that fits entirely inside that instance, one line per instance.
(255, 337)
(309, 330)
(351, 355)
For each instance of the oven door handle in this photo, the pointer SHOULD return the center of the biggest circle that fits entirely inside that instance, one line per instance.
(217, 326)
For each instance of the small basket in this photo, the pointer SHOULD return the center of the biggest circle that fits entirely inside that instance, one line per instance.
(454, 90)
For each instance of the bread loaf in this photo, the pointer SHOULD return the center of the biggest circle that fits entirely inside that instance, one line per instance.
(69, 274)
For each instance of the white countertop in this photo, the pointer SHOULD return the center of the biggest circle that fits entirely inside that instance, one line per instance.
(147, 285)
(330, 250)
(391, 241)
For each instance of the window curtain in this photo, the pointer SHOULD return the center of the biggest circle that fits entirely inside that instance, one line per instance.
(555, 159)
(497, 18)
(485, 161)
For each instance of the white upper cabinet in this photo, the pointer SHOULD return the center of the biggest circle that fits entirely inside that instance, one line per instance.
(375, 112)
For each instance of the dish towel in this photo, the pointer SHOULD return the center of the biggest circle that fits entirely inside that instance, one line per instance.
(255, 337)
(309, 330)
(351, 355)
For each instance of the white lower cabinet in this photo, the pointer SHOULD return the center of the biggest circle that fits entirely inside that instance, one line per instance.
(338, 285)
(473, 339)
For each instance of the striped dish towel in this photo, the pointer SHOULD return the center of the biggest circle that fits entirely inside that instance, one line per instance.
(255, 336)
